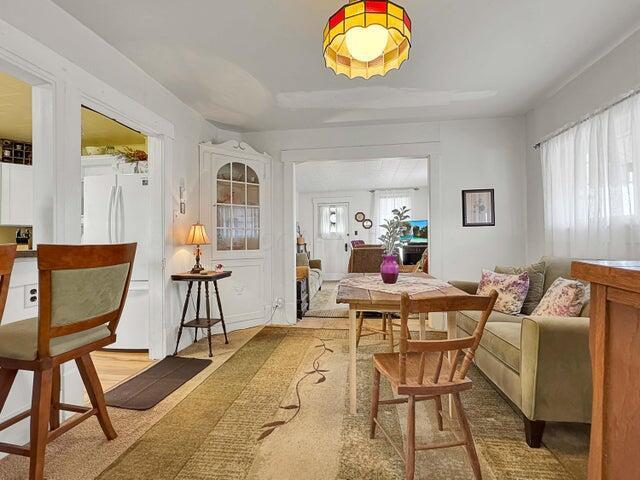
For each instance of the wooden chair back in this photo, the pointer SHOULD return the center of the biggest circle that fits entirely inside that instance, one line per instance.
(81, 287)
(7, 258)
(465, 346)
(366, 259)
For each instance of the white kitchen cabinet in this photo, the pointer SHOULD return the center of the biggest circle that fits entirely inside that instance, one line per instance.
(16, 194)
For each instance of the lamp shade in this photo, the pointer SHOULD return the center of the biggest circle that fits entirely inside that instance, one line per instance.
(197, 235)
(366, 38)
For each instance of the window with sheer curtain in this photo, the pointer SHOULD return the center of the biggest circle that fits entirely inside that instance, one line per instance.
(388, 200)
(591, 180)
(333, 221)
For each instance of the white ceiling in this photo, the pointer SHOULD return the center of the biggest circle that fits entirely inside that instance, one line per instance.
(361, 175)
(256, 64)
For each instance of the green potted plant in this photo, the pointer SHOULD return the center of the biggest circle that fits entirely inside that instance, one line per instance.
(395, 228)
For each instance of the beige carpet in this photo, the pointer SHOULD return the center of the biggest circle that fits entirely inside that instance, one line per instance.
(230, 423)
(83, 452)
(323, 304)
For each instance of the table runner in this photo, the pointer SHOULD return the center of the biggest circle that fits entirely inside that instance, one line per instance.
(413, 285)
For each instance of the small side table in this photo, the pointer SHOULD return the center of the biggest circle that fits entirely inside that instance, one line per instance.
(201, 322)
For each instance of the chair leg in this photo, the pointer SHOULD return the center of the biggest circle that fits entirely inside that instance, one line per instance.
(40, 416)
(375, 400)
(439, 413)
(7, 377)
(384, 326)
(359, 329)
(410, 460)
(466, 430)
(96, 395)
(54, 420)
(391, 339)
(533, 430)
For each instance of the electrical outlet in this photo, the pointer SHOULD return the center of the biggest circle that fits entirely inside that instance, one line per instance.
(278, 302)
(30, 296)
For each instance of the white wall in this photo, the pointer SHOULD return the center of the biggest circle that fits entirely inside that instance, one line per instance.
(359, 201)
(483, 153)
(613, 75)
(40, 36)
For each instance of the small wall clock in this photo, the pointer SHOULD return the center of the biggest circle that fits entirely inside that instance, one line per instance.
(360, 217)
(367, 224)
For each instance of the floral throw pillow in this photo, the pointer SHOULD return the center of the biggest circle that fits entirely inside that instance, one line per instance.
(565, 298)
(512, 290)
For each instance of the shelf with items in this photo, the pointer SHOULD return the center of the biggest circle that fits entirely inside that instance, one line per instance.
(16, 152)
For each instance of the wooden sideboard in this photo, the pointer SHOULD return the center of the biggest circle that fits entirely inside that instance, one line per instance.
(614, 337)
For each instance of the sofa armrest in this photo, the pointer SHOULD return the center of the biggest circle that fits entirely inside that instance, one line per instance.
(555, 369)
(302, 273)
(469, 287)
(315, 264)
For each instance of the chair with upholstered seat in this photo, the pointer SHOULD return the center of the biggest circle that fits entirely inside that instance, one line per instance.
(428, 369)
(7, 258)
(82, 294)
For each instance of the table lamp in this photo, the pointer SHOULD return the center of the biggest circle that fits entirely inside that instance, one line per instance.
(197, 236)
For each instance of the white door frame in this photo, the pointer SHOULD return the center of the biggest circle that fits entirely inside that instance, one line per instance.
(428, 150)
(59, 91)
(158, 143)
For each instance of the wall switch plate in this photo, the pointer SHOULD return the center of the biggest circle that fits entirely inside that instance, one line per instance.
(30, 296)
(183, 195)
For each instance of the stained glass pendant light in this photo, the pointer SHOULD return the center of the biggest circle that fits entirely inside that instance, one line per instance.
(366, 38)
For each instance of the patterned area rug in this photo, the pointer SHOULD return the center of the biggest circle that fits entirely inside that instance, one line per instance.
(323, 304)
(277, 410)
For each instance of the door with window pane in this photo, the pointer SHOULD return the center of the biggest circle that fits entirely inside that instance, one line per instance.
(332, 238)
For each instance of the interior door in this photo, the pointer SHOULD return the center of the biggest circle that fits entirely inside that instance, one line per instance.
(332, 238)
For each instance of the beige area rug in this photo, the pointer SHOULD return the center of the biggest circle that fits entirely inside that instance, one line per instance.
(83, 452)
(323, 304)
(277, 410)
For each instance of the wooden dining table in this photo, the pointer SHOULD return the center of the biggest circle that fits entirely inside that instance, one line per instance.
(365, 300)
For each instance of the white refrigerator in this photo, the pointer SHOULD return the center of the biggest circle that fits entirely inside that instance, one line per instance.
(116, 210)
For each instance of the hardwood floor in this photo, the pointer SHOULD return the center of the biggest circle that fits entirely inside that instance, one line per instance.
(115, 367)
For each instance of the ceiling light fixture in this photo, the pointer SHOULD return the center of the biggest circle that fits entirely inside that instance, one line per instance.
(366, 38)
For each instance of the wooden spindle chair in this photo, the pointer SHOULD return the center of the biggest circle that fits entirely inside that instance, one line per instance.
(428, 369)
(367, 259)
(82, 293)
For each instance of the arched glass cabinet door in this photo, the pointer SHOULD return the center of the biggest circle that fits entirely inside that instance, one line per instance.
(237, 208)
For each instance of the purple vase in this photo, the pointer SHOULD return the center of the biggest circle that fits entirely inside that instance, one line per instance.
(389, 269)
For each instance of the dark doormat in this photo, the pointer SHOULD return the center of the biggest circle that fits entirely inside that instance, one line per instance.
(146, 390)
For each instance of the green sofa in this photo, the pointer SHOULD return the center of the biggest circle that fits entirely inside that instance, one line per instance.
(541, 364)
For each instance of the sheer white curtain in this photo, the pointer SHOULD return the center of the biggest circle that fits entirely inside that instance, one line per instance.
(386, 201)
(591, 180)
(333, 221)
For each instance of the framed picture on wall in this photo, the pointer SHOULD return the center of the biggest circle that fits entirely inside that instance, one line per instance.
(478, 208)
